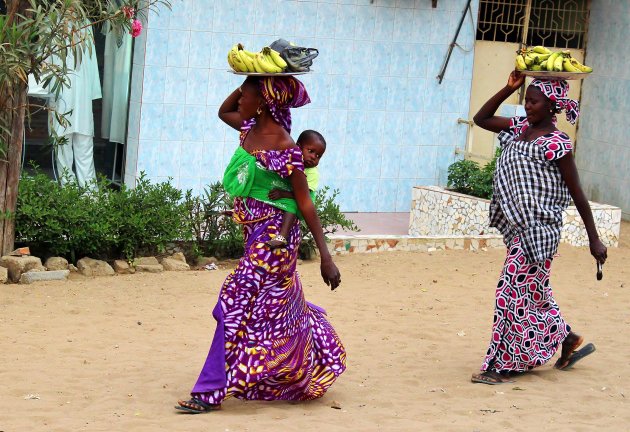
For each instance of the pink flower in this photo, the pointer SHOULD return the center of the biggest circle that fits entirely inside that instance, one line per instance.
(128, 11)
(136, 28)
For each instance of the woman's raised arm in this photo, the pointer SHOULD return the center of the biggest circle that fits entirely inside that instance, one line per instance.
(485, 117)
(330, 272)
(228, 111)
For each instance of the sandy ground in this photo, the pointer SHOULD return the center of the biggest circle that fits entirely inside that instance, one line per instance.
(114, 354)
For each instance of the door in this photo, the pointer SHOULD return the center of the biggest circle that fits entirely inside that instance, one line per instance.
(503, 27)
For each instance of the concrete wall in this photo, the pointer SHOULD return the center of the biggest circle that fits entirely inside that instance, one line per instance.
(603, 143)
(389, 124)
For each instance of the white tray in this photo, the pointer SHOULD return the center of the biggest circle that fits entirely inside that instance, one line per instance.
(268, 74)
(556, 75)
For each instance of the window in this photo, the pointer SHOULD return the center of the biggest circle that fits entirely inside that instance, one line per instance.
(552, 23)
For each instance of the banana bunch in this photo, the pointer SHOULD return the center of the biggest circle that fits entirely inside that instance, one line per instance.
(540, 58)
(265, 61)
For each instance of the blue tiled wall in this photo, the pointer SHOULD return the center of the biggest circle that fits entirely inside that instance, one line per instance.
(603, 147)
(375, 97)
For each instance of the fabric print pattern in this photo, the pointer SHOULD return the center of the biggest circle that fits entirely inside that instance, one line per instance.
(528, 327)
(270, 343)
(519, 206)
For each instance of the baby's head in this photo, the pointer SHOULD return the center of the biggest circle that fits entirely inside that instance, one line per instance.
(313, 146)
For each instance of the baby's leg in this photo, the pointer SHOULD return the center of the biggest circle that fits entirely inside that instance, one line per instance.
(288, 219)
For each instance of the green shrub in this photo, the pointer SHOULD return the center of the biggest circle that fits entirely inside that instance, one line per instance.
(467, 177)
(73, 222)
(331, 218)
(214, 233)
(218, 235)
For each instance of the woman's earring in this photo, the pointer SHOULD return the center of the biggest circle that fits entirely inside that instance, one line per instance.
(259, 111)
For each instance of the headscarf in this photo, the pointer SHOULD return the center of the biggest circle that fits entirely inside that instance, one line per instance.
(281, 94)
(557, 90)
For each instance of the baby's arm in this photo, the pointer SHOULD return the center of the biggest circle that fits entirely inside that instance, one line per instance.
(277, 194)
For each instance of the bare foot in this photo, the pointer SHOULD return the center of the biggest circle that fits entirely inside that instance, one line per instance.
(570, 344)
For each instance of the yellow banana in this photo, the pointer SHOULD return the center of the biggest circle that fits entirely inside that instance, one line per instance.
(580, 66)
(568, 66)
(266, 64)
(536, 67)
(232, 55)
(538, 58)
(247, 61)
(275, 57)
(238, 63)
(520, 63)
(541, 49)
(551, 60)
(557, 63)
(229, 59)
(543, 65)
(257, 65)
(528, 60)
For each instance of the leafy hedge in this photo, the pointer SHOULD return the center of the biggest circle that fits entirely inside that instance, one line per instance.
(74, 222)
(467, 177)
(104, 223)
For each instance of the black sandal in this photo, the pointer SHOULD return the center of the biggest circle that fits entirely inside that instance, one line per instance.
(204, 407)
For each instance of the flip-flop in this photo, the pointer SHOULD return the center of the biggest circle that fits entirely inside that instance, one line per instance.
(206, 407)
(577, 356)
(484, 379)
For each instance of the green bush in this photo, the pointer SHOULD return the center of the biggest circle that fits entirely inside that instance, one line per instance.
(331, 218)
(218, 235)
(467, 177)
(73, 222)
(215, 233)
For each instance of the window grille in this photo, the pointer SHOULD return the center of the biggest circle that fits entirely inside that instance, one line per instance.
(552, 23)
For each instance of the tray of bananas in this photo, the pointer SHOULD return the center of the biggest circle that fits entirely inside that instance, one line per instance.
(267, 62)
(541, 62)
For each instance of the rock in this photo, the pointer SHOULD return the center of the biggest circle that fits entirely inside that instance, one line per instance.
(178, 256)
(172, 264)
(150, 268)
(145, 261)
(16, 265)
(123, 267)
(72, 268)
(4, 275)
(36, 276)
(56, 263)
(335, 405)
(202, 261)
(91, 267)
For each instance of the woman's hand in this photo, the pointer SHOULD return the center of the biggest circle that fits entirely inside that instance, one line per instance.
(598, 250)
(515, 80)
(330, 273)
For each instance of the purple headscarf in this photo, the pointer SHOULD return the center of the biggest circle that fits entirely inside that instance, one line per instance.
(557, 90)
(281, 94)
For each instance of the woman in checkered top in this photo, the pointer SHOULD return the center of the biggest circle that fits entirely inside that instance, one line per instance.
(535, 179)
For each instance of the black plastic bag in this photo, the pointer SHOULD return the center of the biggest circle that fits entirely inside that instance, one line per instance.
(299, 59)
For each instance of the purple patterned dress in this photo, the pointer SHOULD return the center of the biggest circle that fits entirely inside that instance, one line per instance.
(270, 343)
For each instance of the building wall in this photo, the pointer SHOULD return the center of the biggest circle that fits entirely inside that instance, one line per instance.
(375, 97)
(603, 146)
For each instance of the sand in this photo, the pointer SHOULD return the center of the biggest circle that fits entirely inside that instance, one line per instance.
(115, 353)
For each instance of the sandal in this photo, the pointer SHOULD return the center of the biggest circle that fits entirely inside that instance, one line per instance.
(490, 378)
(196, 406)
(278, 241)
(576, 356)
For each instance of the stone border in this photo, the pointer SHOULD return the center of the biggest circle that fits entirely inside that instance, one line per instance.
(351, 244)
(439, 212)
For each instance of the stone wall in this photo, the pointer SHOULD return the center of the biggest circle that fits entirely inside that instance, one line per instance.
(438, 212)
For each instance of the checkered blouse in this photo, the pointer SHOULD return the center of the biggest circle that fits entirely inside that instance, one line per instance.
(529, 194)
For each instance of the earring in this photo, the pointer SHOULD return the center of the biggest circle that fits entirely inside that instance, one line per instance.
(259, 111)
